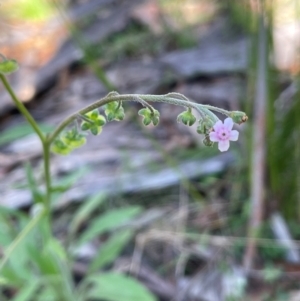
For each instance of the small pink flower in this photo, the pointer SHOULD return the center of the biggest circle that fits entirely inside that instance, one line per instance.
(223, 133)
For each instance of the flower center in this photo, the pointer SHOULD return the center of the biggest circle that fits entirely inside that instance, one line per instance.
(223, 134)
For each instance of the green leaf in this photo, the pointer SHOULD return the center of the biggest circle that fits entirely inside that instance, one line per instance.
(8, 66)
(20, 131)
(28, 291)
(68, 181)
(37, 195)
(111, 249)
(109, 221)
(85, 210)
(117, 287)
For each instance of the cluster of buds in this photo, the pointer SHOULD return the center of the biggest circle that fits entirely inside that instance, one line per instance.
(213, 129)
(68, 141)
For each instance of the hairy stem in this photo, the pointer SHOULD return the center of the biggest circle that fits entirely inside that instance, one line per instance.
(22, 108)
(203, 109)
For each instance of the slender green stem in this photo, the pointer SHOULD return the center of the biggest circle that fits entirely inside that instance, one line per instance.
(203, 109)
(46, 155)
(22, 108)
(21, 236)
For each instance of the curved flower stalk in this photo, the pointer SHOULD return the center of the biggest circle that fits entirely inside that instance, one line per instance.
(63, 141)
(209, 124)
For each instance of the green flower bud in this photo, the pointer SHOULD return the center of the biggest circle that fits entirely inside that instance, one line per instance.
(186, 118)
(149, 116)
(114, 111)
(146, 112)
(73, 139)
(96, 123)
(120, 114)
(207, 141)
(205, 125)
(238, 116)
(8, 66)
(59, 147)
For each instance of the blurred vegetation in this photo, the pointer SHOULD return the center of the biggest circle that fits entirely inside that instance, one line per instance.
(28, 10)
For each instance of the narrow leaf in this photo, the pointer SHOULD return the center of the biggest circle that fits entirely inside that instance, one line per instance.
(109, 221)
(117, 287)
(111, 249)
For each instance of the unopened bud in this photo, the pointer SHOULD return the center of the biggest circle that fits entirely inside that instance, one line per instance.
(238, 116)
(205, 125)
(186, 118)
(207, 142)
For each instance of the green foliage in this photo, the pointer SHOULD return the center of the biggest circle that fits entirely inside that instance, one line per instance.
(28, 9)
(284, 150)
(48, 277)
(103, 287)
(84, 211)
(109, 221)
(111, 249)
(37, 195)
(20, 131)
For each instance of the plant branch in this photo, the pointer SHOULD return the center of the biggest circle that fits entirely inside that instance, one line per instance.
(203, 109)
(22, 108)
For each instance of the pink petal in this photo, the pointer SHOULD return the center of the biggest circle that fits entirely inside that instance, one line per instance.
(228, 123)
(218, 125)
(213, 137)
(234, 135)
(223, 145)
